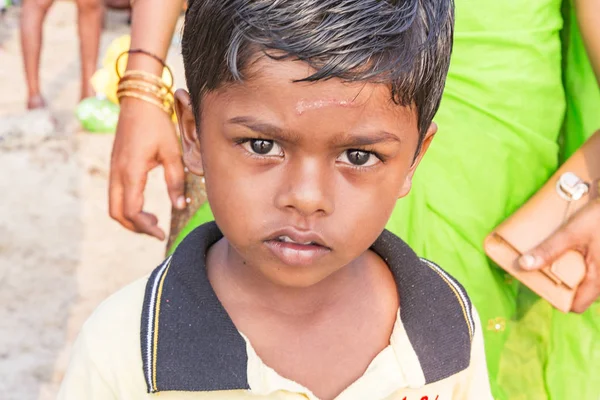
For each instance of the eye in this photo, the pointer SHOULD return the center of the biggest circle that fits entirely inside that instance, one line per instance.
(262, 147)
(358, 158)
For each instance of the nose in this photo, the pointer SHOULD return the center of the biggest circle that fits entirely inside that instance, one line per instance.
(307, 189)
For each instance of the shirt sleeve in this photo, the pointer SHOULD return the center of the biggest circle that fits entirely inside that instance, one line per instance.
(83, 379)
(474, 383)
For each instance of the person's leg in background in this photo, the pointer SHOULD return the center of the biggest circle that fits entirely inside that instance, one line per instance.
(90, 14)
(33, 14)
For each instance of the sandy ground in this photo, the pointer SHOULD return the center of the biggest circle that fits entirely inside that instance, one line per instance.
(60, 253)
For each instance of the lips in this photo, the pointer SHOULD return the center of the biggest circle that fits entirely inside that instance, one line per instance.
(297, 248)
(297, 236)
(287, 239)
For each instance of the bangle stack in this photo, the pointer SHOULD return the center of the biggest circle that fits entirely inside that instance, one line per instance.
(145, 86)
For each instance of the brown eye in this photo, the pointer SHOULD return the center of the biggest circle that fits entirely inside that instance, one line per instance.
(260, 146)
(357, 157)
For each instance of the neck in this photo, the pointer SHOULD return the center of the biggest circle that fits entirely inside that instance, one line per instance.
(249, 285)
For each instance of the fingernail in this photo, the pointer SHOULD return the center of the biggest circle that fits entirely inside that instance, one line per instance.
(527, 261)
(181, 203)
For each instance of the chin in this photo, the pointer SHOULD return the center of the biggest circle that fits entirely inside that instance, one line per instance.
(296, 277)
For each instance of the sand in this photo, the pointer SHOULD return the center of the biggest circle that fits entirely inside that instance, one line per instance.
(60, 253)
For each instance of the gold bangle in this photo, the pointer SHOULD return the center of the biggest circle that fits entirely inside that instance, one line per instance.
(164, 102)
(148, 99)
(167, 105)
(160, 92)
(117, 69)
(142, 82)
(159, 88)
(146, 76)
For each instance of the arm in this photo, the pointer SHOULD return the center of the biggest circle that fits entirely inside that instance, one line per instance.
(581, 231)
(588, 16)
(161, 16)
(145, 136)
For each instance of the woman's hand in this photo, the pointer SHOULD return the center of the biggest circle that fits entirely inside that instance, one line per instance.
(145, 134)
(145, 138)
(582, 233)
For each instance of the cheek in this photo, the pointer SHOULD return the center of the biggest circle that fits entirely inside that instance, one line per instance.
(238, 195)
(369, 204)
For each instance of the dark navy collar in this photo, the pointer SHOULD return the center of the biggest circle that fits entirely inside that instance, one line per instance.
(189, 342)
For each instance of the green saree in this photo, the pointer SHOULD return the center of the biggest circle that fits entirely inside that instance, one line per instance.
(551, 355)
(499, 125)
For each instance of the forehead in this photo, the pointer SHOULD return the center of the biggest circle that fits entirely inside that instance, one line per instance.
(271, 88)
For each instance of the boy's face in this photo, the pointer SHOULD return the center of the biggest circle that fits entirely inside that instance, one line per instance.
(301, 177)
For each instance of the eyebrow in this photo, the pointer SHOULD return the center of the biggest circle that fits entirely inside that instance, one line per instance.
(376, 137)
(342, 140)
(272, 131)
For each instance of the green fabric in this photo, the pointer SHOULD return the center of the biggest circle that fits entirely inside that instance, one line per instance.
(499, 123)
(551, 355)
(583, 92)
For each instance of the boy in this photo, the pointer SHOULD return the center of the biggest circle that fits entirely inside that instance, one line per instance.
(307, 120)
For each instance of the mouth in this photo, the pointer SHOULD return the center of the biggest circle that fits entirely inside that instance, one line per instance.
(287, 239)
(297, 248)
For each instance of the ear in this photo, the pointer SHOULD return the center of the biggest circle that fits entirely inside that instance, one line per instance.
(405, 189)
(190, 139)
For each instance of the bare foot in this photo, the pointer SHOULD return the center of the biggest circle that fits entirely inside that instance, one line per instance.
(36, 102)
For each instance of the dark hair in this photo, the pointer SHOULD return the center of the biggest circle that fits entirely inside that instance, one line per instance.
(403, 43)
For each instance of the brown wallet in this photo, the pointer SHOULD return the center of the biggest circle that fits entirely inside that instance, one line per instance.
(569, 189)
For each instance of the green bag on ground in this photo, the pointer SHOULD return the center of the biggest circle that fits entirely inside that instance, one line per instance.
(98, 115)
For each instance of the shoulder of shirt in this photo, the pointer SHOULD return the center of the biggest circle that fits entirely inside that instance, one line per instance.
(459, 295)
(106, 357)
(111, 333)
(429, 296)
(121, 307)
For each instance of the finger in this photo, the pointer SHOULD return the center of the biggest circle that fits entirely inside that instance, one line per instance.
(175, 178)
(148, 223)
(133, 202)
(115, 200)
(550, 249)
(588, 291)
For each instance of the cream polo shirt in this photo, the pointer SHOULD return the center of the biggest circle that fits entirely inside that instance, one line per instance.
(168, 337)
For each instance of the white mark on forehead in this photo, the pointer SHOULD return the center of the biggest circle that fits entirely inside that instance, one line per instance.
(306, 105)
